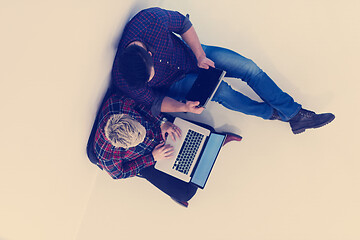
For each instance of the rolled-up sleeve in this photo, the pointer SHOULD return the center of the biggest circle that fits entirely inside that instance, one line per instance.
(186, 25)
(156, 105)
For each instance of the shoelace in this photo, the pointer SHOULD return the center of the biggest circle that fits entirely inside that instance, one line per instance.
(306, 113)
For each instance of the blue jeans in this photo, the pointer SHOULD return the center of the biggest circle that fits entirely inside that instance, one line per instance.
(237, 66)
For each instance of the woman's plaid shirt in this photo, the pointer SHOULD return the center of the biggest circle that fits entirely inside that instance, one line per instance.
(120, 162)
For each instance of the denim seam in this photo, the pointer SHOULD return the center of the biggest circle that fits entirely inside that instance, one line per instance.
(294, 114)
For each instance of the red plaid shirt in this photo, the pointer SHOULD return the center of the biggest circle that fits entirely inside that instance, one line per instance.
(172, 57)
(120, 162)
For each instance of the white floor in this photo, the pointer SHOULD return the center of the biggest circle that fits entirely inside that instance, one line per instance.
(56, 59)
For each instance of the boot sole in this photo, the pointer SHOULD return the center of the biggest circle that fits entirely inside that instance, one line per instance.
(301, 130)
(181, 203)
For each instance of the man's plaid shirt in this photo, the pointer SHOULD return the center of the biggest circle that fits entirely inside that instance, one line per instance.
(172, 57)
(120, 162)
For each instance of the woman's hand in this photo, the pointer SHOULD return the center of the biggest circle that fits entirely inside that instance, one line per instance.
(171, 129)
(162, 152)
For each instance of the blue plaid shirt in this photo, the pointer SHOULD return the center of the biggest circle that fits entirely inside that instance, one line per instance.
(172, 57)
(120, 162)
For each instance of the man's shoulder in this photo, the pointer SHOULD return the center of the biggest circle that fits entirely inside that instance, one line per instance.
(152, 11)
(147, 14)
(151, 15)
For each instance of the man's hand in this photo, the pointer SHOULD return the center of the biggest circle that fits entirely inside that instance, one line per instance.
(191, 106)
(204, 62)
(192, 39)
(162, 152)
(171, 129)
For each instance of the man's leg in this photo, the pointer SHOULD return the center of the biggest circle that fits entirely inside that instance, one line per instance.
(277, 104)
(284, 107)
(179, 89)
(237, 66)
(226, 96)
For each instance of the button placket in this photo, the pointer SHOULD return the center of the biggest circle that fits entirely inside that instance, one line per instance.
(168, 63)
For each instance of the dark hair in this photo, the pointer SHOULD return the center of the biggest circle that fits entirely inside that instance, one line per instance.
(135, 65)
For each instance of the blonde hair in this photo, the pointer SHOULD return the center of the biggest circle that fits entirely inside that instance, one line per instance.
(123, 131)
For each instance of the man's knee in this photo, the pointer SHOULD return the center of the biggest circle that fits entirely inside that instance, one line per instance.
(251, 68)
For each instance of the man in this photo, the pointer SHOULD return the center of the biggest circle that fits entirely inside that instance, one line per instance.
(156, 68)
(129, 140)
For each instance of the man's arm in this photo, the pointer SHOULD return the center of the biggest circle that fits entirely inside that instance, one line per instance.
(171, 105)
(192, 39)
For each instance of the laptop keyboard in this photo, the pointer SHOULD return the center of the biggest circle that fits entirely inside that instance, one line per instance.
(188, 151)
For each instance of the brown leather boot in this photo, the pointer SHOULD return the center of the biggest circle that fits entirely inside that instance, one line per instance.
(182, 203)
(231, 137)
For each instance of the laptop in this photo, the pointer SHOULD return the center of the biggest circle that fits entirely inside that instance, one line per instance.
(194, 153)
(205, 85)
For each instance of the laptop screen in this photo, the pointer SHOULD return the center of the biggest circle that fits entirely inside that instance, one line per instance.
(207, 159)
